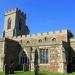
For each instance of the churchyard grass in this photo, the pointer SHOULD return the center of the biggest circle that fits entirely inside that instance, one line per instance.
(40, 73)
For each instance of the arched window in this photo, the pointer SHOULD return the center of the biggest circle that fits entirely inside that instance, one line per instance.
(53, 39)
(28, 42)
(45, 38)
(9, 23)
(40, 40)
(20, 25)
(23, 58)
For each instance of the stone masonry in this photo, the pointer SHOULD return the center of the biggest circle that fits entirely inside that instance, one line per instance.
(50, 51)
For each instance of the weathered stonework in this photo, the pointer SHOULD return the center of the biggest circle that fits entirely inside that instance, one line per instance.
(22, 49)
(1, 54)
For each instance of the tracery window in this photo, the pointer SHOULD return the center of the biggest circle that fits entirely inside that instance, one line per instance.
(9, 23)
(43, 56)
(23, 59)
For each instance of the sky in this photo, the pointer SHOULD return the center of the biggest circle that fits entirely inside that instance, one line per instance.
(42, 15)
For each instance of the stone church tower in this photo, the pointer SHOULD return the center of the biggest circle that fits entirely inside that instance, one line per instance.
(15, 23)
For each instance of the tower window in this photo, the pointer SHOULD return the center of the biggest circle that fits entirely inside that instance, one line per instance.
(20, 24)
(9, 23)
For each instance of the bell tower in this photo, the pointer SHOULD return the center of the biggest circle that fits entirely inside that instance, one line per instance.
(15, 23)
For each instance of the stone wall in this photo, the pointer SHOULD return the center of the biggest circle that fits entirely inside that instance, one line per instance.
(12, 16)
(1, 53)
(56, 56)
(52, 41)
(56, 43)
(72, 54)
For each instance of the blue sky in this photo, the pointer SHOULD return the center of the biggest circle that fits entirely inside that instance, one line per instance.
(43, 15)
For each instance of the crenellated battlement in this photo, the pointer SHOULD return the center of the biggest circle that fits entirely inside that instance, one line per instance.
(13, 11)
(41, 34)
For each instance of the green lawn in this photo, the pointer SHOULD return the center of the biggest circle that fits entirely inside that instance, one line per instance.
(40, 73)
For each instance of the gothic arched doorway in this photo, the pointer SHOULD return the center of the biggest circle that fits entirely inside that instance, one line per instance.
(23, 61)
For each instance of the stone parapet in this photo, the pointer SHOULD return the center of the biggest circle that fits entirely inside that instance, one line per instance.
(13, 11)
(41, 34)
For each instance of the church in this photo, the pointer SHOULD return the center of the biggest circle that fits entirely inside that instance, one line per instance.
(49, 51)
